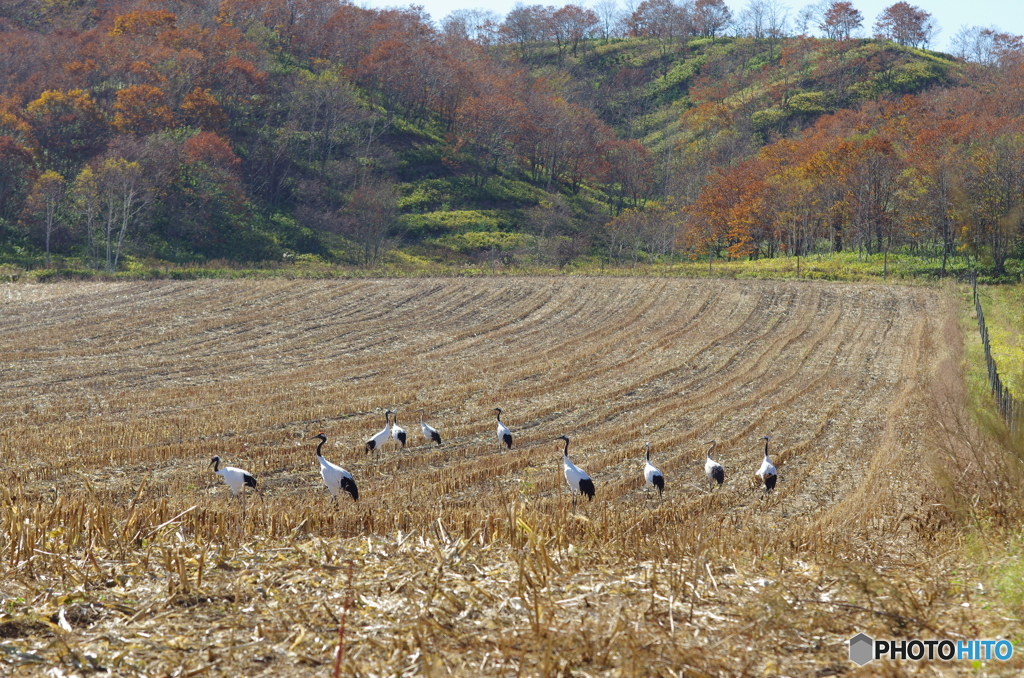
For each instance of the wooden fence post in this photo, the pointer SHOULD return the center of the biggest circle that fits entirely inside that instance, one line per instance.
(1009, 408)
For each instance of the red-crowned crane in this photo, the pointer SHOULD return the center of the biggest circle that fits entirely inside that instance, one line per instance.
(652, 476)
(767, 471)
(377, 441)
(429, 432)
(577, 479)
(397, 432)
(335, 478)
(504, 435)
(712, 469)
(236, 478)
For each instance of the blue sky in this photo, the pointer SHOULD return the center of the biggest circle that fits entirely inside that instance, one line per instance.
(1006, 15)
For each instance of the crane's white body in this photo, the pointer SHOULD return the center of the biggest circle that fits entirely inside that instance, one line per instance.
(504, 434)
(573, 473)
(652, 476)
(397, 432)
(335, 477)
(712, 469)
(576, 478)
(378, 440)
(767, 468)
(429, 432)
(235, 478)
(767, 472)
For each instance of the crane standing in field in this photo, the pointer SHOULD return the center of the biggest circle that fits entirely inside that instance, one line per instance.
(504, 435)
(652, 476)
(429, 432)
(712, 469)
(767, 472)
(378, 440)
(577, 479)
(236, 478)
(397, 432)
(335, 477)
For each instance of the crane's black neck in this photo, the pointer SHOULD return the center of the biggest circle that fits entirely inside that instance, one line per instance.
(499, 417)
(565, 452)
(766, 449)
(648, 453)
(322, 441)
(216, 465)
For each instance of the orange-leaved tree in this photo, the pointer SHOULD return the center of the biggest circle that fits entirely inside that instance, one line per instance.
(69, 126)
(487, 133)
(706, 220)
(200, 108)
(202, 200)
(572, 24)
(17, 161)
(142, 110)
(146, 22)
(841, 18)
(905, 24)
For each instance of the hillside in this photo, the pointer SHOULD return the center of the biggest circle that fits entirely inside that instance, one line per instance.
(770, 88)
(176, 133)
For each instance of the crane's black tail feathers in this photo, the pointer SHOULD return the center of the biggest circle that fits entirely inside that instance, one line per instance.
(250, 481)
(587, 488)
(718, 474)
(350, 486)
(507, 439)
(436, 437)
(769, 483)
(659, 482)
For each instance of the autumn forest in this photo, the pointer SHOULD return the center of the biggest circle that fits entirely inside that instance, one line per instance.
(189, 131)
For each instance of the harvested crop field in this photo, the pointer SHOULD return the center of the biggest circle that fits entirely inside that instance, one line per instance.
(123, 552)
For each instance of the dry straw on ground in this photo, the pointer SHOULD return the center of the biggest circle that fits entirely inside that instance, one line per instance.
(122, 551)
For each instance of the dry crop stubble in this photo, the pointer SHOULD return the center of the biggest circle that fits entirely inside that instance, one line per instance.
(468, 558)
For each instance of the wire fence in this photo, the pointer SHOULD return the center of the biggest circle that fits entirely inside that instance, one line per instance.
(1009, 407)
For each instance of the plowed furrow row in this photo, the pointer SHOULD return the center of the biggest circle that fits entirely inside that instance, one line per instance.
(157, 377)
